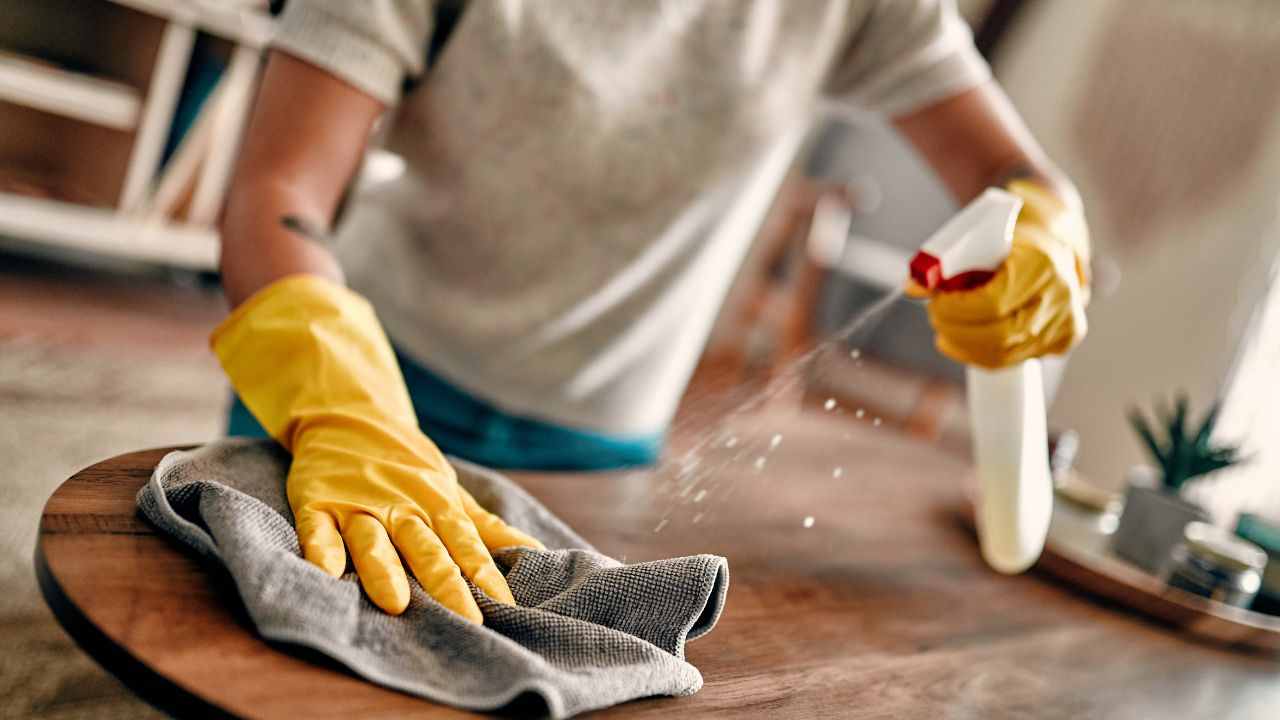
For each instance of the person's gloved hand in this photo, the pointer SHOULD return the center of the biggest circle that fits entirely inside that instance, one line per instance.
(309, 359)
(1034, 305)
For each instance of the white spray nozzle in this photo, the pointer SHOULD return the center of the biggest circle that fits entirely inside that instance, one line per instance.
(971, 245)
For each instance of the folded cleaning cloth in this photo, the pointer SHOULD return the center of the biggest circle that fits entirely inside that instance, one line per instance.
(589, 632)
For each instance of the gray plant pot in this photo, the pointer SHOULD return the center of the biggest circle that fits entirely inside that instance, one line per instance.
(1152, 521)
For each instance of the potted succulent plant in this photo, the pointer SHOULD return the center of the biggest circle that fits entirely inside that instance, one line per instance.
(1155, 513)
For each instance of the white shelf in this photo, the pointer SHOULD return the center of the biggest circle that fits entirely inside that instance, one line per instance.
(105, 231)
(244, 21)
(63, 92)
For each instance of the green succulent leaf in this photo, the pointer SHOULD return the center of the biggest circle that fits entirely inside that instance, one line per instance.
(1206, 428)
(1176, 428)
(1141, 427)
(1184, 455)
(1163, 416)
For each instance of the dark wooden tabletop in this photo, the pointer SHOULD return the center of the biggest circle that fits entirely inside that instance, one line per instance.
(880, 608)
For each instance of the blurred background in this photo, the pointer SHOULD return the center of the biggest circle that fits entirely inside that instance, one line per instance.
(119, 123)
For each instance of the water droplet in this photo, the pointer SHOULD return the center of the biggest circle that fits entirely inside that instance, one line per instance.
(732, 441)
(829, 405)
(808, 521)
(697, 518)
(701, 494)
(855, 353)
(877, 422)
(661, 525)
(837, 472)
(759, 463)
(775, 441)
(860, 413)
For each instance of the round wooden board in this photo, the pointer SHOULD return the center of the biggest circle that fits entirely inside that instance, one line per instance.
(880, 608)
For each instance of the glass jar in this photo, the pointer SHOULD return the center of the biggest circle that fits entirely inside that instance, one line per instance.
(1213, 563)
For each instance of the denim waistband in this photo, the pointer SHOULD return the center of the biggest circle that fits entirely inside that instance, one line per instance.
(470, 428)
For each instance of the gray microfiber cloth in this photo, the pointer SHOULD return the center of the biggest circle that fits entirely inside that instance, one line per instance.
(589, 632)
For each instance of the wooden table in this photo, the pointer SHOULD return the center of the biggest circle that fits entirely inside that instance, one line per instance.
(880, 609)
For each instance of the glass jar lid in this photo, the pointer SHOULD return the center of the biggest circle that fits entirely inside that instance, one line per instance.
(1222, 548)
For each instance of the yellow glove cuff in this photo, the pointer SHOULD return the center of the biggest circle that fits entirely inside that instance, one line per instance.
(1043, 209)
(303, 345)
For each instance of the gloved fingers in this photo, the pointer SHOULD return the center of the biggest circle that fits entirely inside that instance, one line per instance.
(1026, 350)
(1029, 270)
(987, 344)
(1037, 263)
(968, 356)
(977, 343)
(1055, 252)
(320, 541)
(469, 552)
(435, 569)
(1054, 323)
(1037, 348)
(1046, 326)
(494, 531)
(993, 359)
(978, 306)
(1061, 333)
(381, 574)
(965, 307)
(1023, 277)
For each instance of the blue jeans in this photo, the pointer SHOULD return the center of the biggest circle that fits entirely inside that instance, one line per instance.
(472, 429)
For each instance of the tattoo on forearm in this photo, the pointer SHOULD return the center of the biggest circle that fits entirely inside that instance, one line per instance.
(1045, 175)
(297, 225)
(1022, 171)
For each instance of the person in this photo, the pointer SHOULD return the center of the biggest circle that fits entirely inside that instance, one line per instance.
(582, 179)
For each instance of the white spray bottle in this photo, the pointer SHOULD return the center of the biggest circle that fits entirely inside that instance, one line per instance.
(1006, 406)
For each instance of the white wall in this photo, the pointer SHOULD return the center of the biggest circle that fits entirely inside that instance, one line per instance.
(1194, 243)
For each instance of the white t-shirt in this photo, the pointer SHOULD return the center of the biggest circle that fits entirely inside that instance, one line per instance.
(584, 177)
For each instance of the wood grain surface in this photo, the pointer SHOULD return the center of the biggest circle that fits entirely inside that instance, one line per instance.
(881, 609)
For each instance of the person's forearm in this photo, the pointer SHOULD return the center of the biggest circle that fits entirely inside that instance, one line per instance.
(304, 143)
(977, 140)
(1042, 172)
(262, 241)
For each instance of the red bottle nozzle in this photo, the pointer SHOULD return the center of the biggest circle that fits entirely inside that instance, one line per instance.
(926, 270)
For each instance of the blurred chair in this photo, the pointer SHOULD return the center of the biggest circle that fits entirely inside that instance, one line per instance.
(88, 90)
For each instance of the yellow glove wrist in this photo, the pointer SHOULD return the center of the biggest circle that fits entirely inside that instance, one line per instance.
(273, 351)
(1044, 209)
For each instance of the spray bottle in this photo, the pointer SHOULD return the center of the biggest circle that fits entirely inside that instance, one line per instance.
(1006, 406)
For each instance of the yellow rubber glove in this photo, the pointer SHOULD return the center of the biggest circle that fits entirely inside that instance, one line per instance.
(311, 362)
(1034, 305)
